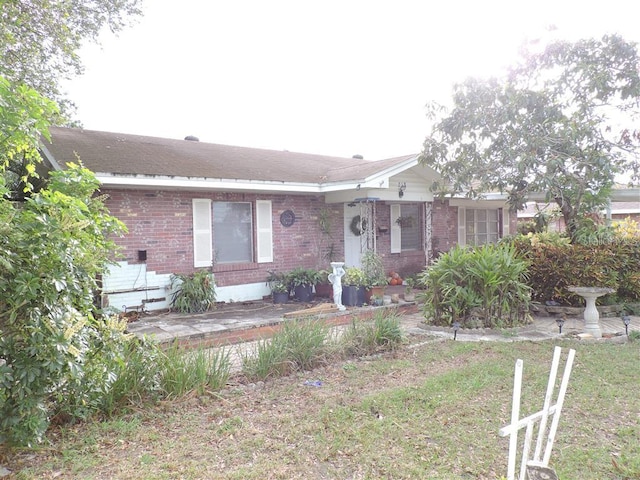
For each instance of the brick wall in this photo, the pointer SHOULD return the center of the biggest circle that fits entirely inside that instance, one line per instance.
(444, 219)
(160, 222)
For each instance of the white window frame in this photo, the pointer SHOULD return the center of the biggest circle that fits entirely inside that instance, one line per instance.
(262, 232)
(462, 224)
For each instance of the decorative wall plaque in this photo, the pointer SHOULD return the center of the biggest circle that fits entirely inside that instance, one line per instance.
(287, 218)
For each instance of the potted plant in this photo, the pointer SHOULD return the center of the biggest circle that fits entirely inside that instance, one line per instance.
(409, 284)
(374, 274)
(302, 281)
(279, 285)
(353, 287)
(323, 287)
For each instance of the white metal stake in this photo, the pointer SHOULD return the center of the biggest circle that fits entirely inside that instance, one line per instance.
(559, 403)
(515, 414)
(553, 373)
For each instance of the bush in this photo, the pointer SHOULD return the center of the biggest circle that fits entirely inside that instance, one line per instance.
(200, 371)
(54, 245)
(366, 338)
(484, 285)
(554, 266)
(299, 345)
(195, 293)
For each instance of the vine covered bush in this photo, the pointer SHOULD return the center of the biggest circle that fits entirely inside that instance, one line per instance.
(477, 287)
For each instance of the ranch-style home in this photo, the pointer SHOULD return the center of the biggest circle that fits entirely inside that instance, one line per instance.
(242, 212)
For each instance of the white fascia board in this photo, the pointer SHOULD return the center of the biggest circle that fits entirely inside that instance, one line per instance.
(476, 202)
(45, 151)
(184, 183)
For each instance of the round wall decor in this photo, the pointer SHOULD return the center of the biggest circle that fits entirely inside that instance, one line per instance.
(287, 218)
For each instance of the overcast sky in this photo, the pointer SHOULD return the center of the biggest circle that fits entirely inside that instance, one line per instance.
(329, 77)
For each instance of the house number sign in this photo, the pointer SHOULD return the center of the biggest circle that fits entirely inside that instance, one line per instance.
(287, 218)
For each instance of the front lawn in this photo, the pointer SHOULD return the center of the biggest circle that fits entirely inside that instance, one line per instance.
(429, 411)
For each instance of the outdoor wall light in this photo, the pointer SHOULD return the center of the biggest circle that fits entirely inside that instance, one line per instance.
(626, 319)
(402, 186)
(560, 323)
(456, 327)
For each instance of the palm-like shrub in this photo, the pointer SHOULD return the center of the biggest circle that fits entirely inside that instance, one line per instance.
(482, 286)
(193, 293)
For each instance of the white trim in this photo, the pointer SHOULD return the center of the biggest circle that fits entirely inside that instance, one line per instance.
(462, 226)
(264, 232)
(202, 233)
(396, 230)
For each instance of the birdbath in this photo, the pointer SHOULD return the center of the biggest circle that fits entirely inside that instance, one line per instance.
(336, 280)
(591, 315)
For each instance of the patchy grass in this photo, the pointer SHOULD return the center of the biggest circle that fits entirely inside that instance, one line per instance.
(429, 411)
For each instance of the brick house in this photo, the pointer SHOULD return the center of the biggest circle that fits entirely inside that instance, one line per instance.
(242, 212)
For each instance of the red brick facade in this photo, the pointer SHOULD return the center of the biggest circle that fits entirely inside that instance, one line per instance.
(161, 224)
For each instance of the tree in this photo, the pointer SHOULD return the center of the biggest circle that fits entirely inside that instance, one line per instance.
(54, 243)
(556, 124)
(39, 39)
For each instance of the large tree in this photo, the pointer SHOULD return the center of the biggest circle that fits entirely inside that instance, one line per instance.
(40, 39)
(560, 123)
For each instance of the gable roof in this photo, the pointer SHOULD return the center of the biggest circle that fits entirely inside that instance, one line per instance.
(142, 161)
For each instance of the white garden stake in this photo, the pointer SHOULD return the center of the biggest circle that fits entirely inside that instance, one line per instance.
(539, 460)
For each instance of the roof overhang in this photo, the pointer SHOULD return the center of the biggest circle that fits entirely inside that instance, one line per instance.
(377, 180)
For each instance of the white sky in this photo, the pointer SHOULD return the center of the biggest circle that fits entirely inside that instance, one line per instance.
(330, 77)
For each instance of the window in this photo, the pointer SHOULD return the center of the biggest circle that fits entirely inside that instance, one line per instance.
(230, 237)
(406, 228)
(481, 226)
(232, 232)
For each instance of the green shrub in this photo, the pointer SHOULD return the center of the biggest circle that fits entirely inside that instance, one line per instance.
(53, 246)
(363, 338)
(298, 345)
(137, 379)
(200, 370)
(120, 370)
(484, 284)
(554, 266)
(193, 293)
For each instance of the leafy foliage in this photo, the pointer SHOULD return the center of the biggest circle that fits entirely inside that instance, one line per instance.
(39, 39)
(354, 276)
(53, 246)
(484, 284)
(373, 269)
(303, 276)
(367, 338)
(193, 293)
(545, 128)
(299, 345)
(555, 265)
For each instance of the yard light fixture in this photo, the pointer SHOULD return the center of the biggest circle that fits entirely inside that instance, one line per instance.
(626, 319)
(456, 327)
(560, 323)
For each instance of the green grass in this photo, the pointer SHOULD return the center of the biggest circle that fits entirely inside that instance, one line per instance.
(431, 411)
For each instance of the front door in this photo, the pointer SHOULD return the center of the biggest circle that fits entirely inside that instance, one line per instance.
(351, 241)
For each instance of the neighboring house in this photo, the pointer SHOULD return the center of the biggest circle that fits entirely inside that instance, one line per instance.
(243, 212)
(619, 208)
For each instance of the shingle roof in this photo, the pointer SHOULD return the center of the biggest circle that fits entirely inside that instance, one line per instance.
(131, 155)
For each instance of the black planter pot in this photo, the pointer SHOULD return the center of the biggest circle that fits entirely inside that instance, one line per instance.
(352, 296)
(280, 297)
(303, 293)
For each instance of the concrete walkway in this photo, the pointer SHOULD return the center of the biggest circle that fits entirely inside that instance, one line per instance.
(239, 323)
